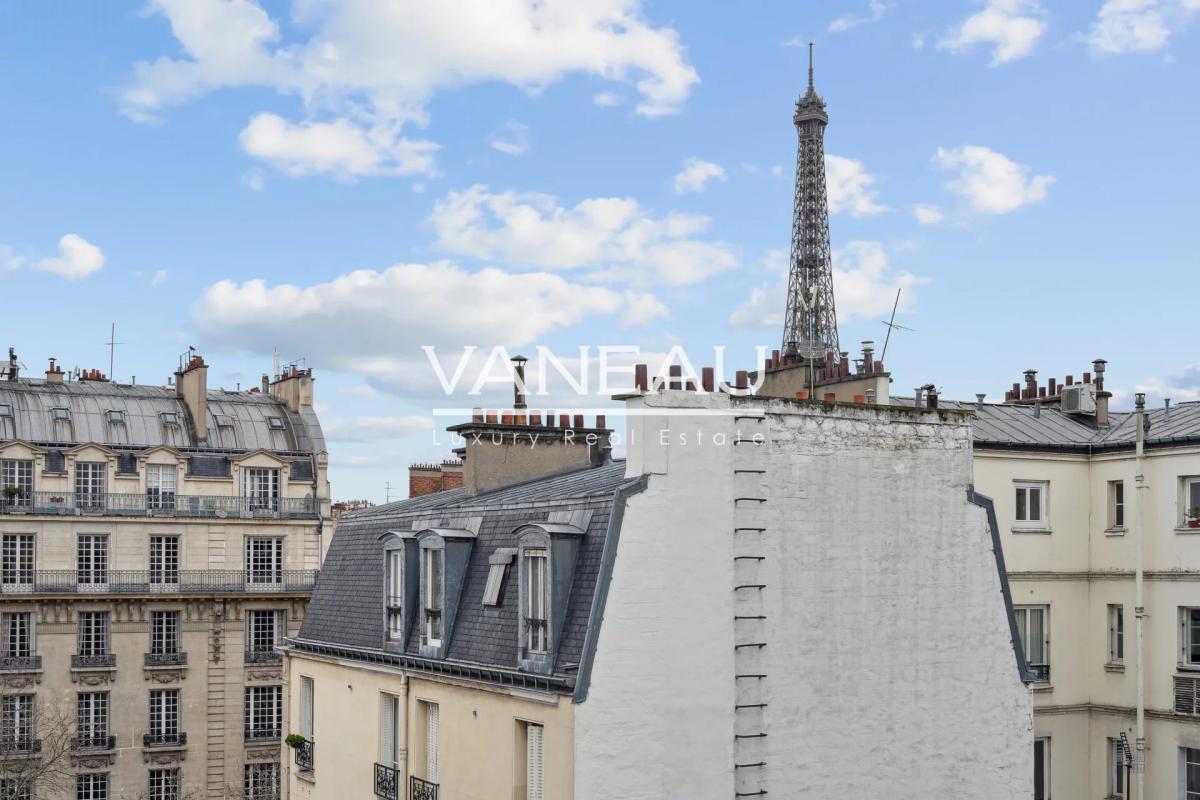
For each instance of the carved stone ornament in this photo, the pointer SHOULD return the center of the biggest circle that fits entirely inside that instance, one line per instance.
(263, 754)
(265, 675)
(21, 681)
(165, 676)
(171, 757)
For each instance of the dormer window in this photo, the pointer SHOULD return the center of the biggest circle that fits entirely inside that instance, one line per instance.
(60, 425)
(537, 600)
(276, 423)
(432, 595)
(117, 433)
(61, 413)
(170, 418)
(546, 548)
(8, 428)
(172, 431)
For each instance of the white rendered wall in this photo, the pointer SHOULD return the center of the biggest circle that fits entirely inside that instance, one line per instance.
(888, 662)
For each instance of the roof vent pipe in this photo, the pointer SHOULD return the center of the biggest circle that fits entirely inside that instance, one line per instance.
(519, 381)
(979, 399)
(931, 393)
(1037, 408)
(1166, 409)
(917, 397)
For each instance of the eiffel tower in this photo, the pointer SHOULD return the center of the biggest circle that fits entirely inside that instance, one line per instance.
(810, 325)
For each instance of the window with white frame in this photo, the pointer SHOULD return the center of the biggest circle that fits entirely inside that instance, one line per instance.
(164, 633)
(18, 634)
(1116, 634)
(1116, 505)
(1116, 769)
(1030, 505)
(16, 722)
(1033, 626)
(535, 736)
(91, 786)
(93, 633)
(264, 630)
(1190, 765)
(91, 718)
(16, 788)
(395, 593)
(1189, 638)
(91, 561)
(16, 561)
(91, 483)
(389, 730)
(306, 707)
(264, 712)
(260, 487)
(432, 594)
(18, 473)
(161, 481)
(1191, 500)
(261, 782)
(264, 560)
(164, 716)
(164, 784)
(537, 625)
(164, 562)
(1041, 768)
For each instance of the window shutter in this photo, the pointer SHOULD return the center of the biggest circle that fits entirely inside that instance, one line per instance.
(306, 707)
(280, 627)
(534, 761)
(387, 730)
(431, 742)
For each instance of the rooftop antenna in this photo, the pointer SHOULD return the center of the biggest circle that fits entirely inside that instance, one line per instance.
(276, 363)
(387, 487)
(810, 66)
(112, 350)
(891, 325)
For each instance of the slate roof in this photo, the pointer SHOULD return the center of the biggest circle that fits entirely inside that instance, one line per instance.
(347, 606)
(1012, 425)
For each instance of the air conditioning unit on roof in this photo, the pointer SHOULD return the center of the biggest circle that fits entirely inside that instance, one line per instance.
(1079, 399)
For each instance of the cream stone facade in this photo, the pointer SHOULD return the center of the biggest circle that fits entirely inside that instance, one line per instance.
(150, 563)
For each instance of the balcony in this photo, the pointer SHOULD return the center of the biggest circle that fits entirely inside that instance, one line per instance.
(164, 739)
(94, 661)
(200, 581)
(92, 741)
(421, 790)
(166, 659)
(271, 656)
(20, 663)
(385, 782)
(261, 733)
(20, 745)
(304, 755)
(1040, 672)
(111, 504)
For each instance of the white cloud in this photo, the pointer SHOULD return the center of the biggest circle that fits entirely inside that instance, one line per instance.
(696, 174)
(357, 390)
(642, 308)
(864, 284)
(777, 170)
(606, 99)
(512, 139)
(1012, 27)
(614, 237)
(928, 215)
(10, 259)
(991, 182)
(255, 180)
(1181, 387)
(362, 69)
(849, 187)
(77, 259)
(339, 148)
(1137, 26)
(159, 278)
(845, 22)
(918, 41)
(372, 429)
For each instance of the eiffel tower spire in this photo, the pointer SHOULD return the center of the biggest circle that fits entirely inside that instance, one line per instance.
(810, 325)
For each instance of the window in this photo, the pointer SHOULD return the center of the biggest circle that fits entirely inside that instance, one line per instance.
(276, 423)
(93, 633)
(1116, 505)
(16, 561)
(1116, 634)
(498, 563)
(8, 428)
(160, 486)
(264, 560)
(164, 633)
(1031, 499)
(226, 431)
(432, 715)
(92, 720)
(531, 752)
(306, 707)
(1191, 769)
(170, 418)
(91, 562)
(264, 712)
(432, 562)
(164, 717)
(164, 784)
(389, 731)
(260, 487)
(1033, 625)
(91, 481)
(164, 562)
(16, 723)
(261, 782)
(1191, 499)
(1041, 768)
(537, 630)
(395, 594)
(14, 788)
(18, 473)
(1116, 769)
(172, 431)
(117, 433)
(1189, 637)
(91, 786)
(17, 634)
(60, 425)
(264, 630)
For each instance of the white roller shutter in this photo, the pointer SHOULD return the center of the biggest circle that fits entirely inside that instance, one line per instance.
(431, 742)
(534, 760)
(387, 730)
(306, 707)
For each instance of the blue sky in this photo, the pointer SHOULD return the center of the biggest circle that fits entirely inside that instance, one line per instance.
(349, 181)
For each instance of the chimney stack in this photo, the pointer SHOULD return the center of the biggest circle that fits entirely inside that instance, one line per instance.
(1102, 397)
(54, 374)
(14, 368)
(191, 386)
(519, 381)
(868, 356)
(1166, 410)
(294, 387)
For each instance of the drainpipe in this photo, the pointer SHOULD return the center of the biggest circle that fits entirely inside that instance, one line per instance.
(1139, 610)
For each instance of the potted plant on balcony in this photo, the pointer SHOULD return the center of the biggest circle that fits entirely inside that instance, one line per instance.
(1193, 520)
(294, 740)
(11, 493)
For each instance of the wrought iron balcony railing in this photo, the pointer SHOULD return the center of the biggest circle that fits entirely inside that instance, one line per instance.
(19, 745)
(93, 661)
(421, 789)
(164, 739)
(1040, 672)
(113, 504)
(264, 657)
(94, 741)
(166, 659)
(537, 635)
(304, 754)
(262, 733)
(113, 581)
(20, 663)
(385, 782)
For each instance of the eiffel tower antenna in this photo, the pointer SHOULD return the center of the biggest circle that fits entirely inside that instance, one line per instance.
(810, 324)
